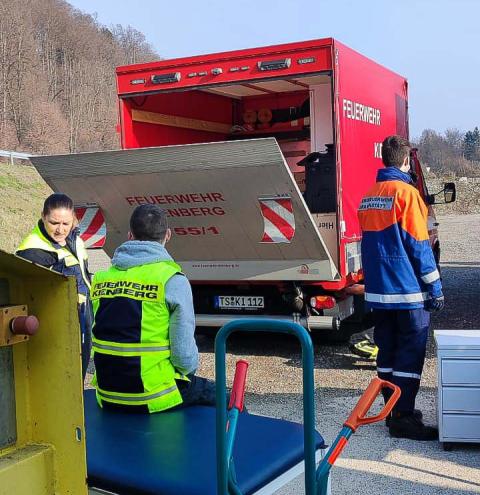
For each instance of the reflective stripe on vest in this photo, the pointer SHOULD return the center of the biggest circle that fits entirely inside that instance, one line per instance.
(130, 349)
(144, 284)
(136, 398)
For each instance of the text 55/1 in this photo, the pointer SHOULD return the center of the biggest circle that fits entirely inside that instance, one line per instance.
(196, 230)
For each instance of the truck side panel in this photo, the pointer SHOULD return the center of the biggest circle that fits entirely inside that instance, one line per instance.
(370, 104)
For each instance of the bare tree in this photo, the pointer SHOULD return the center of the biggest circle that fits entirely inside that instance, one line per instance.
(444, 153)
(57, 76)
(17, 65)
(135, 48)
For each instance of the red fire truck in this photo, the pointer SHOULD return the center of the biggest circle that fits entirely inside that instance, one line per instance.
(260, 157)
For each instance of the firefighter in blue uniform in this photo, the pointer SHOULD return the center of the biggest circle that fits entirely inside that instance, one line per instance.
(55, 243)
(402, 283)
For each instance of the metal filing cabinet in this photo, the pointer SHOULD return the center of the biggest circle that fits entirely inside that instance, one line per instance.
(458, 353)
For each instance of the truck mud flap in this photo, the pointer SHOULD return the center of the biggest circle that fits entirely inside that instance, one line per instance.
(234, 208)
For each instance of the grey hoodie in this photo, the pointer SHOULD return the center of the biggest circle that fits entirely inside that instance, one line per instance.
(178, 296)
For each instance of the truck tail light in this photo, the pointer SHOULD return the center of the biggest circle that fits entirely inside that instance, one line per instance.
(322, 302)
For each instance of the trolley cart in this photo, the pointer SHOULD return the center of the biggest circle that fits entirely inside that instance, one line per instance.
(316, 481)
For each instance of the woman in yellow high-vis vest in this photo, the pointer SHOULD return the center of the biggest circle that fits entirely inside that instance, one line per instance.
(55, 243)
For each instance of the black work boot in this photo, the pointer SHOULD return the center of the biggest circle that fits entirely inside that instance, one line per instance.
(416, 412)
(406, 425)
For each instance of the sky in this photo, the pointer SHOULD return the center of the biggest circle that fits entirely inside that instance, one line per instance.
(435, 44)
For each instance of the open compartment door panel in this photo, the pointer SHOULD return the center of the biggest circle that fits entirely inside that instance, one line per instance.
(234, 208)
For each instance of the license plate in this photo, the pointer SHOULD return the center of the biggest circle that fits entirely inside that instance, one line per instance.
(239, 302)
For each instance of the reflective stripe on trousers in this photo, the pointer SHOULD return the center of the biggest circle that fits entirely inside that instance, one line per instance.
(401, 336)
(399, 373)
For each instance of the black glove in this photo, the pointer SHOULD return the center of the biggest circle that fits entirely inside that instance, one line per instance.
(435, 304)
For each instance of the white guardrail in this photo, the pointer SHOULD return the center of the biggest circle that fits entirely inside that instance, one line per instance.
(15, 155)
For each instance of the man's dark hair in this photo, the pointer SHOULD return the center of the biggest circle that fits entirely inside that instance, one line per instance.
(149, 223)
(394, 151)
(56, 200)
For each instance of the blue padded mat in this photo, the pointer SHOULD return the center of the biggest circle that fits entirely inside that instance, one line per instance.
(173, 453)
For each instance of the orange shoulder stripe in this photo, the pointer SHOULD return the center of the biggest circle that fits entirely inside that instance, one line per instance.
(413, 213)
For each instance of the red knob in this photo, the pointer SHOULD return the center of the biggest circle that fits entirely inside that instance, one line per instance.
(24, 325)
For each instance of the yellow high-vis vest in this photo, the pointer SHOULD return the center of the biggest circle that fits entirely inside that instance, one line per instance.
(131, 337)
(36, 240)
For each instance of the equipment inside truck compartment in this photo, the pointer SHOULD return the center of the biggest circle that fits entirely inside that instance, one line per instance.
(297, 112)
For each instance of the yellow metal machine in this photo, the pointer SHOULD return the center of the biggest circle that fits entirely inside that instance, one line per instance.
(42, 437)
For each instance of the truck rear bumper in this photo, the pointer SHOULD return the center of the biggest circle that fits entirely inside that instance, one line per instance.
(312, 322)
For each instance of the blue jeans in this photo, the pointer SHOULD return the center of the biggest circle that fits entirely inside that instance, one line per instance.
(197, 392)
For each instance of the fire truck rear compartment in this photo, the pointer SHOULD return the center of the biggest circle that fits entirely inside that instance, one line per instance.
(298, 112)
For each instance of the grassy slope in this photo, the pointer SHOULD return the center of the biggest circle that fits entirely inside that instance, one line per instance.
(22, 193)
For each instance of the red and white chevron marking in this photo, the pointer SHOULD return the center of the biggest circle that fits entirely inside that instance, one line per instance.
(279, 222)
(92, 226)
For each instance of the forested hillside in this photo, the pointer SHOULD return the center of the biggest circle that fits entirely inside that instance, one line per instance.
(57, 84)
(451, 153)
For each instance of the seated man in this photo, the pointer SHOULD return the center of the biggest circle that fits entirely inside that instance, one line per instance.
(143, 334)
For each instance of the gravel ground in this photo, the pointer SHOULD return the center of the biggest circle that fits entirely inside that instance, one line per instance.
(373, 462)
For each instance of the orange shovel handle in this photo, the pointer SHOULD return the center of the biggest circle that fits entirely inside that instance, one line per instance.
(358, 416)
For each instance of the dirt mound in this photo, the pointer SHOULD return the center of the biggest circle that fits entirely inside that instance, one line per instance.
(468, 195)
